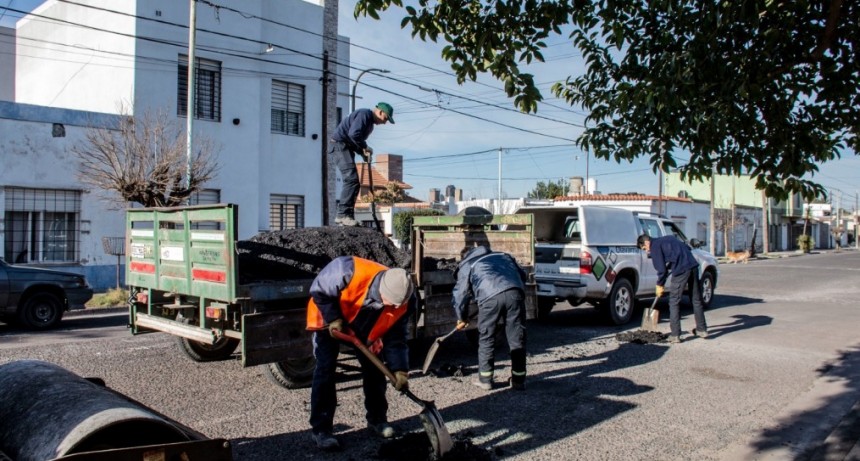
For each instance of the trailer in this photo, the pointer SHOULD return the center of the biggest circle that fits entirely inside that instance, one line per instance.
(183, 275)
(437, 243)
(182, 271)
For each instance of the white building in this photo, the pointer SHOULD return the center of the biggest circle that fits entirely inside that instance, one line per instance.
(259, 98)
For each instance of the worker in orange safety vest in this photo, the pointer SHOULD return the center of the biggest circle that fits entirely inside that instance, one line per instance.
(374, 302)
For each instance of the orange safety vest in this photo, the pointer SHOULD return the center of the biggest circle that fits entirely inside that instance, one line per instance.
(352, 298)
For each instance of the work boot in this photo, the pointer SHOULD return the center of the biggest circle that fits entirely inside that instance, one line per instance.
(384, 430)
(701, 334)
(672, 339)
(485, 384)
(325, 441)
(347, 221)
(517, 384)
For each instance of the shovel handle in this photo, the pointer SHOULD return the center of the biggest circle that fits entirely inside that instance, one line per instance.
(349, 337)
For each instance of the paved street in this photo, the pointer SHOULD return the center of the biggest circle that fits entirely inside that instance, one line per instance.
(779, 372)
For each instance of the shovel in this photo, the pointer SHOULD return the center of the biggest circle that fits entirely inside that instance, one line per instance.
(438, 434)
(651, 316)
(435, 347)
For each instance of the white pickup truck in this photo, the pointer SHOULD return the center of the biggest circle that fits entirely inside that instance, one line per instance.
(589, 253)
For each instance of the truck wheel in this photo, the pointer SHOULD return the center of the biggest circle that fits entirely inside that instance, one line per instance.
(201, 352)
(291, 373)
(545, 306)
(621, 301)
(41, 311)
(707, 284)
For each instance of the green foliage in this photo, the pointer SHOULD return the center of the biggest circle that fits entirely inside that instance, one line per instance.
(766, 88)
(806, 243)
(549, 189)
(115, 297)
(403, 223)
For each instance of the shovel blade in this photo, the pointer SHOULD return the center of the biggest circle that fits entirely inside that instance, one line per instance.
(430, 354)
(436, 431)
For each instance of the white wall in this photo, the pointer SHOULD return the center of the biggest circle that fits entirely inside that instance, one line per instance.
(142, 73)
(76, 67)
(33, 158)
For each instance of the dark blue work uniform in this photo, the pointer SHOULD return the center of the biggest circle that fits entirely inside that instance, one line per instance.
(496, 282)
(671, 255)
(350, 139)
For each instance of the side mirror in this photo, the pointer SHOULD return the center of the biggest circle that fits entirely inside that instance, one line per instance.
(696, 243)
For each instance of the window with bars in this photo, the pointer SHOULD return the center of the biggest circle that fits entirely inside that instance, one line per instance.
(206, 197)
(207, 89)
(41, 225)
(288, 108)
(286, 212)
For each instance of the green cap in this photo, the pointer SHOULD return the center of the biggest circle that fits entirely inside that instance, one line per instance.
(389, 111)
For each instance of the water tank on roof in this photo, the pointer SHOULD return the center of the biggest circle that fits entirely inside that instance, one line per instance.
(683, 194)
(575, 185)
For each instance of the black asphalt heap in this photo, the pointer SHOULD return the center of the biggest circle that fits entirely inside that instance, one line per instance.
(302, 253)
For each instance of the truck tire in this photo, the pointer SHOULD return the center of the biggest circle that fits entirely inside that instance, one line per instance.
(291, 373)
(707, 284)
(41, 311)
(621, 302)
(200, 352)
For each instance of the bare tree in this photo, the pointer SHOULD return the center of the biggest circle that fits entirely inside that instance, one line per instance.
(144, 160)
(392, 194)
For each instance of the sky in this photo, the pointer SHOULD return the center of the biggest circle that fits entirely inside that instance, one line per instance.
(450, 134)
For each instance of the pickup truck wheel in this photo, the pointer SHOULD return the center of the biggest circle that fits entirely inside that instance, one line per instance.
(201, 352)
(291, 373)
(41, 312)
(707, 284)
(621, 301)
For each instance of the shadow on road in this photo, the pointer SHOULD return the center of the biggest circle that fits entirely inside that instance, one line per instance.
(831, 429)
(80, 322)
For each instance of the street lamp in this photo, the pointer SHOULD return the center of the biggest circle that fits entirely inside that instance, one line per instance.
(381, 71)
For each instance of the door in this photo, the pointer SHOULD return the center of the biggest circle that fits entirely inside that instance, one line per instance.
(647, 273)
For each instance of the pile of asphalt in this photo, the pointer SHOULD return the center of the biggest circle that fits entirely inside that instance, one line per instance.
(302, 253)
(441, 264)
(641, 337)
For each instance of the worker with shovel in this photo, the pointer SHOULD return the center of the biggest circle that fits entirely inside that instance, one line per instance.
(374, 302)
(496, 282)
(671, 255)
(350, 138)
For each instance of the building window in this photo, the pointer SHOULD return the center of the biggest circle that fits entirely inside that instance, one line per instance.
(42, 225)
(206, 197)
(288, 108)
(207, 89)
(286, 212)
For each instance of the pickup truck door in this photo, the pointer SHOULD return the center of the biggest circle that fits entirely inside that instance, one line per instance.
(647, 273)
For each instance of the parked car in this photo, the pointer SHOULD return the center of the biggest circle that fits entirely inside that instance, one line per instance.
(37, 298)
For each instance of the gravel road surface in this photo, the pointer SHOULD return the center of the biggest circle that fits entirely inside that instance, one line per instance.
(779, 371)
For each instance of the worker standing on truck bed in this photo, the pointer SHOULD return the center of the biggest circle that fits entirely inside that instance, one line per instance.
(669, 254)
(350, 138)
(374, 302)
(497, 283)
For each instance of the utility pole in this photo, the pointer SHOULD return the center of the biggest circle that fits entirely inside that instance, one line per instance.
(765, 223)
(499, 204)
(324, 160)
(660, 192)
(712, 229)
(192, 85)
